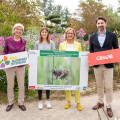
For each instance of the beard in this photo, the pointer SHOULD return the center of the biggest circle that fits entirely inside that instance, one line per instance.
(101, 29)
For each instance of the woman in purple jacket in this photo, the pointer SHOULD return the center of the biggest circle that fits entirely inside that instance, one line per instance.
(15, 44)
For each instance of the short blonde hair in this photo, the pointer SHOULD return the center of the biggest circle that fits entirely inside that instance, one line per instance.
(65, 36)
(17, 25)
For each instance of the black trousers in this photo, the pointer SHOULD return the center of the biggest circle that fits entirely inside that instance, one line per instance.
(40, 94)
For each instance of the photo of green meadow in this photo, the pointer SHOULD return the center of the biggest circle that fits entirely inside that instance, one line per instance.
(58, 70)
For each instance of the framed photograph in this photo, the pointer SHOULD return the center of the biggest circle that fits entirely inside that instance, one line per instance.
(58, 70)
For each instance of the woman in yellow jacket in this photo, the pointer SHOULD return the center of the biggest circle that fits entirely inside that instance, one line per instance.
(71, 45)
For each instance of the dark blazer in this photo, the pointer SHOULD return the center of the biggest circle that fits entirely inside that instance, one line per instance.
(111, 42)
(10, 46)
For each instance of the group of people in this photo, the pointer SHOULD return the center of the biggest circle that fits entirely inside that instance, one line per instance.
(100, 41)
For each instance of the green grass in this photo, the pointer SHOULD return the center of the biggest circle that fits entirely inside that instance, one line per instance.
(3, 97)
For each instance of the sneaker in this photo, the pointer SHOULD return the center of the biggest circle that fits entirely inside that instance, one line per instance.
(48, 105)
(40, 105)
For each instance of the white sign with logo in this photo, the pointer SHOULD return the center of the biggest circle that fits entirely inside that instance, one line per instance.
(14, 59)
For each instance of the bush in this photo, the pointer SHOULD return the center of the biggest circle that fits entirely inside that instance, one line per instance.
(3, 81)
(2, 41)
(5, 30)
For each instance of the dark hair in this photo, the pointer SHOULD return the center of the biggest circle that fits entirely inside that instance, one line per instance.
(40, 38)
(101, 18)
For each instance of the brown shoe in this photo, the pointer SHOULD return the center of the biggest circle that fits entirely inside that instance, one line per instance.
(109, 112)
(22, 107)
(99, 105)
(9, 107)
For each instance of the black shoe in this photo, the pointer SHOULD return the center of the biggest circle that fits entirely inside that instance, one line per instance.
(22, 107)
(9, 107)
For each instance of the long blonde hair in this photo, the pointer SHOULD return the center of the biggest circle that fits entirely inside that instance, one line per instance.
(40, 40)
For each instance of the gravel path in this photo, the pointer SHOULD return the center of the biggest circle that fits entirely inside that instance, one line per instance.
(59, 113)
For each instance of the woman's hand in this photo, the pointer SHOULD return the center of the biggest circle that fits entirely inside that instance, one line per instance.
(28, 66)
(28, 54)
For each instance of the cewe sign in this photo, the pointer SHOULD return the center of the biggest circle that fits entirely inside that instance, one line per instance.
(104, 57)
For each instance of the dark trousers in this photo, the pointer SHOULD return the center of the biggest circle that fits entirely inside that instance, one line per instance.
(40, 94)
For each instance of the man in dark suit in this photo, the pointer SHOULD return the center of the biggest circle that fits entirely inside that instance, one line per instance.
(101, 41)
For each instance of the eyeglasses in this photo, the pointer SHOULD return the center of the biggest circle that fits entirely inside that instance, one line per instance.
(70, 33)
